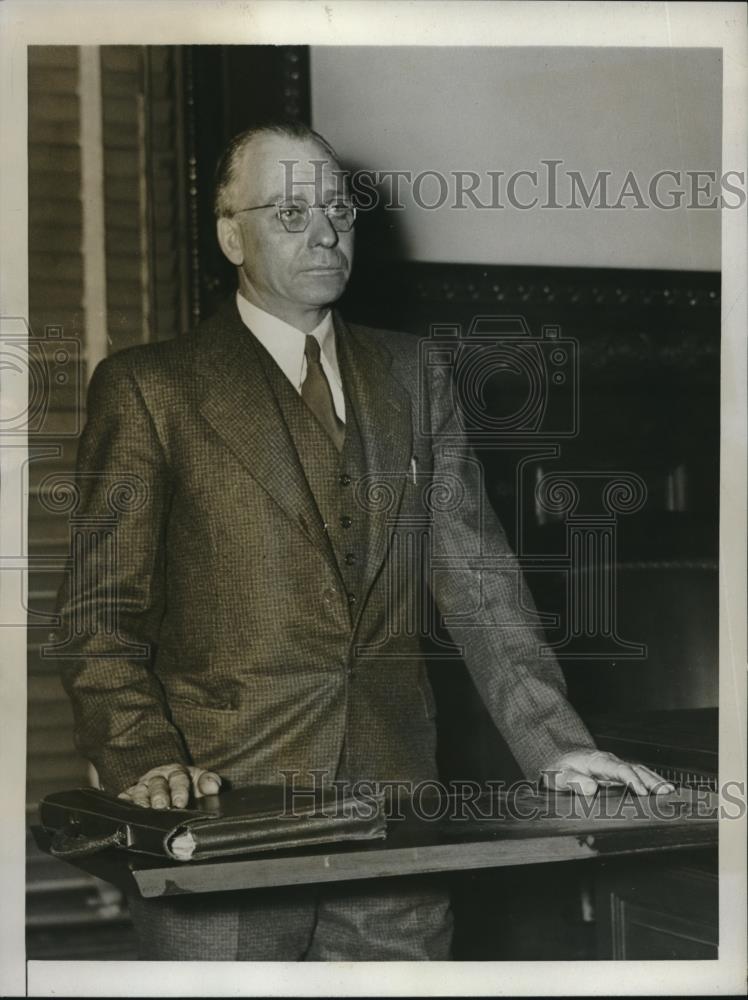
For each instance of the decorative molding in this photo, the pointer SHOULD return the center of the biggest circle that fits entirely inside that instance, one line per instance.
(93, 243)
(295, 75)
(481, 284)
(653, 321)
(228, 88)
(193, 217)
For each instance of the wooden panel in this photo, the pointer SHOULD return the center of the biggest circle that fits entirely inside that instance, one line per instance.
(63, 188)
(56, 304)
(50, 106)
(143, 166)
(55, 131)
(644, 933)
(230, 88)
(646, 911)
(122, 124)
(57, 903)
(45, 57)
(167, 193)
(52, 79)
(70, 914)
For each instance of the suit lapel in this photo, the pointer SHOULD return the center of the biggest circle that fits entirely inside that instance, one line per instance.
(240, 406)
(383, 410)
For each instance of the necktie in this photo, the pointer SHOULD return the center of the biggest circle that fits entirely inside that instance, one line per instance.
(315, 391)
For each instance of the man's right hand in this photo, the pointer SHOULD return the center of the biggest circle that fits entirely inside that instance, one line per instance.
(169, 786)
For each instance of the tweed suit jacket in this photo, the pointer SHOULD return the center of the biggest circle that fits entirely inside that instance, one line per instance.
(234, 646)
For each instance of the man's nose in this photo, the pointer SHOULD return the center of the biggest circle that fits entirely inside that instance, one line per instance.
(321, 230)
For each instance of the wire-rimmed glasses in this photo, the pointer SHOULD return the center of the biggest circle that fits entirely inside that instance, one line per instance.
(295, 216)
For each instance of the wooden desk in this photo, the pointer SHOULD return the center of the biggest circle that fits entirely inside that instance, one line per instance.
(616, 825)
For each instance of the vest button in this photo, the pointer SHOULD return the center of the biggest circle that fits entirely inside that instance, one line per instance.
(350, 558)
(345, 479)
(345, 521)
(351, 598)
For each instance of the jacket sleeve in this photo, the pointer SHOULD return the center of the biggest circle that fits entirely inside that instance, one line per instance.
(480, 590)
(113, 598)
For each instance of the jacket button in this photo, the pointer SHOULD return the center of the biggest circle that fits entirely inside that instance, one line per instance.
(345, 479)
(328, 595)
(351, 598)
(345, 521)
(350, 558)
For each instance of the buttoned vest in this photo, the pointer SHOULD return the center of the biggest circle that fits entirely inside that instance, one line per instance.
(331, 475)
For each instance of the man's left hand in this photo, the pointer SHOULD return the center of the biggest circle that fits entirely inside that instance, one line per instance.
(585, 771)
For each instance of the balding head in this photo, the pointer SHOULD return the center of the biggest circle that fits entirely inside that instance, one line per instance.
(267, 176)
(233, 164)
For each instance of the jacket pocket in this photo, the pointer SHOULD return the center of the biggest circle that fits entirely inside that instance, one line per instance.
(193, 682)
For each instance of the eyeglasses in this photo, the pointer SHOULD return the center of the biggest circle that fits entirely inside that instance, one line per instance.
(295, 216)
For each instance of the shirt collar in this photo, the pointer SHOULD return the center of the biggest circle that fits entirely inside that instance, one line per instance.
(285, 344)
(277, 336)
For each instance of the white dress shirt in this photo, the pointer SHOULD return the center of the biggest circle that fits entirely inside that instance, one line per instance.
(285, 344)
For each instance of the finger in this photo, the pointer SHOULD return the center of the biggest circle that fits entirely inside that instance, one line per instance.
(207, 783)
(162, 771)
(140, 794)
(158, 787)
(127, 796)
(609, 768)
(621, 771)
(179, 787)
(574, 781)
(654, 782)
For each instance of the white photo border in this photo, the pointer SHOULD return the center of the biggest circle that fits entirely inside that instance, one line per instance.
(371, 22)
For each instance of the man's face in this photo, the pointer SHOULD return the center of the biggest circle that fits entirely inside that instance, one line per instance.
(288, 272)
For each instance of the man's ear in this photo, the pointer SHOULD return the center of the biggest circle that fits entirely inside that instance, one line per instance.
(229, 241)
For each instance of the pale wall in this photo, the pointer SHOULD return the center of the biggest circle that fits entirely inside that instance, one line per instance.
(507, 109)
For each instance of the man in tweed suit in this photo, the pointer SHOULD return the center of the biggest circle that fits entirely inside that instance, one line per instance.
(255, 577)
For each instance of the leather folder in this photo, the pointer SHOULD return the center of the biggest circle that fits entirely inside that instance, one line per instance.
(84, 821)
